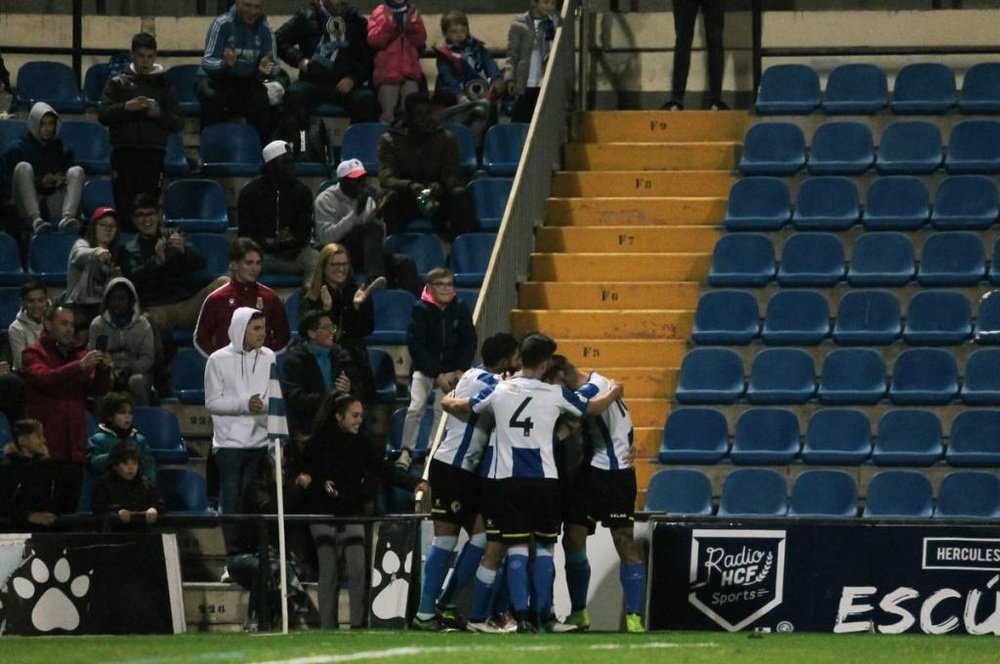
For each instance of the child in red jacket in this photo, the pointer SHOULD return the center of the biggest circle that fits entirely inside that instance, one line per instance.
(397, 31)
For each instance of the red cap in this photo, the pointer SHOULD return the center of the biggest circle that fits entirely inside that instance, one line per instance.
(104, 211)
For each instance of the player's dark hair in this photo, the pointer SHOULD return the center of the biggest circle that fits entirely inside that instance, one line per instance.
(143, 40)
(498, 347)
(114, 402)
(32, 285)
(145, 201)
(124, 451)
(536, 349)
(310, 322)
(335, 403)
(242, 246)
(559, 365)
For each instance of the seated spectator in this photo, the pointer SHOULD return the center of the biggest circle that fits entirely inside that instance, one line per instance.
(243, 290)
(94, 260)
(43, 180)
(396, 30)
(139, 106)
(127, 337)
(117, 413)
(31, 493)
(275, 211)
(420, 173)
(125, 490)
(27, 327)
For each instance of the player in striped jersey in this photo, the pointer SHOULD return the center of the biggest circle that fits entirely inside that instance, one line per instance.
(604, 491)
(454, 476)
(521, 496)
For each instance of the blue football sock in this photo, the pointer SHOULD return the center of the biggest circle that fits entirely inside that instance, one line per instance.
(482, 594)
(517, 577)
(435, 569)
(500, 603)
(577, 579)
(633, 579)
(543, 574)
(465, 568)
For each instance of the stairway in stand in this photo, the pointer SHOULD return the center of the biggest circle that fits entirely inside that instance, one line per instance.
(627, 243)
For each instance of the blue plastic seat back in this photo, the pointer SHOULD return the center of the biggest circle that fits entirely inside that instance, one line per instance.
(826, 203)
(162, 432)
(90, 143)
(502, 147)
(868, 316)
(11, 131)
(694, 435)
(788, 89)
(489, 198)
(824, 493)
(742, 259)
(754, 492)
(392, 317)
(852, 376)
(93, 84)
(782, 376)
(424, 248)
(857, 89)
(48, 257)
(6, 436)
(184, 490)
(773, 148)
(214, 248)
(974, 147)
(423, 434)
(758, 204)
(938, 317)
(385, 374)
(952, 258)
(96, 193)
(196, 206)
(175, 162)
(51, 82)
(908, 437)
(981, 379)
(466, 146)
(470, 256)
(10, 304)
(812, 259)
(841, 148)
(899, 494)
(924, 87)
(710, 376)
(969, 494)
(183, 78)
(924, 376)
(768, 436)
(987, 329)
(896, 202)
(187, 376)
(965, 202)
(837, 436)
(11, 272)
(796, 317)
(468, 295)
(981, 89)
(882, 259)
(726, 317)
(681, 491)
(230, 149)
(994, 272)
(974, 439)
(911, 147)
(361, 141)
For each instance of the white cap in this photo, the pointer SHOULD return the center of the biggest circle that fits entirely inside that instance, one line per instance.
(350, 168)
(275, 149)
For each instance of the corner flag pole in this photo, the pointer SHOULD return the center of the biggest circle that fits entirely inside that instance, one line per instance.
(277, 433)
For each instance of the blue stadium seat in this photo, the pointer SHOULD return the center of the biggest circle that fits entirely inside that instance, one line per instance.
(981, 379)
(187, 376)
(924, 88)
(323, 186)
(812, 259)
(293, 304)
(90, 143)
(742, 259)
(694, 435)
(765, 436)
(974, 147)
(361, 141)
(710, 376)
(175, 163)
(385, 374)
(824, 494)
(852, 376)
(184, 491)
(994, 273)
(726, 317)
(938, 318)
(6, 436)
(470, 256)
(230, 149)
(393, 445)
(791, 89)
(782, 376)
(195, 206)
(841, 148)
(987, 328)
(54, 83)
(965, 202)
(952, 258)
(826, 203)
(899, 494)
(752, 492)
(424, 248)
(11, 272)
(466, 146)
(758, 204)
(162, 432)
(93, 84)
(11, 131)
(837, 436)
(896, 202)
(981, 89)
(908, 437)
(680, 491)
(214, 248)
(10, 304)
(330, 110)
(867, 316)
(392, 317)
(796, 317)
(502, 147)
(974, 438)
(911, 147)
(968, 494)
(855, 89)
(924, 376)
(96, 193)
(48, 257)
(773, 148)
(489, 199)
(468, 295)
(882, 259)
(183, 78)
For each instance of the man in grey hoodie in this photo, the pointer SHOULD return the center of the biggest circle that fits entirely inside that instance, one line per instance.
(128, 337)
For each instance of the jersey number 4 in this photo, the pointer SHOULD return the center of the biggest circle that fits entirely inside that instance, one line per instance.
(526, 424)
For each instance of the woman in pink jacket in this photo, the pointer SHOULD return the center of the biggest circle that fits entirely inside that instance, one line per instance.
(397, 32)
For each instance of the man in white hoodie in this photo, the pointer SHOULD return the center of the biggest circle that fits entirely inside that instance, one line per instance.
(236, 378)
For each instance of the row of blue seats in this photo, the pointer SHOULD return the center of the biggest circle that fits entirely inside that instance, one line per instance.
(920, 376)
(862, 89)
(845, 148)
(950, 258)
(762, 492)
(864, 317)
(834, 436)
(831, 203)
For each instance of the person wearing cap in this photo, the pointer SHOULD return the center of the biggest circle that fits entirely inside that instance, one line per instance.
(276, 211)
(94, 260)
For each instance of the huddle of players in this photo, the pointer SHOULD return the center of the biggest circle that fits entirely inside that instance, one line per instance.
(497, 473)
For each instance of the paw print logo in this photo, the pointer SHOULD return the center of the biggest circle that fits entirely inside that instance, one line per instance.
(390, 602)
(54, 606)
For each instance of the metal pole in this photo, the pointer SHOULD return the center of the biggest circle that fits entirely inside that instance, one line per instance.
(757, 11)
(282, 569)
(78, 40)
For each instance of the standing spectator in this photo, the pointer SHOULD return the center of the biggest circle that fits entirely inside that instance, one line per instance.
(328, 43)
(685, 14)
(27, 326)
(529, 44)
(125, 490)
(396, 30)
(94, 260)
(236, 379)
(275, 211)
(6, 96)
(238, 57)
(139, 107)
(243, 290)
(441, 340)
(127, 337)
(43, 179)
(117, 415)
(59, 376)
(29, 479)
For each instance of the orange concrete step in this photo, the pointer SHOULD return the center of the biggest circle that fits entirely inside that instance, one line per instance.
(632, 184)
(644, 469)
(648, 412)
(707, 211)
(675, 239)
(646, 441)
(598, 324)
(651, 156)
(600, 353)
(645, 382)
(609, 295)
(618, 267)
(659, 126)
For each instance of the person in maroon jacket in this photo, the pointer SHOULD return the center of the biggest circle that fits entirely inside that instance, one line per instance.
(59, 376)
(212, 330)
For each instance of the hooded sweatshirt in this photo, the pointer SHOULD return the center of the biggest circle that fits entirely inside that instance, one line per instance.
(135, 129)
(130, 339)
(232, 376)
(251, 43)
(22, 333)
(44, 156)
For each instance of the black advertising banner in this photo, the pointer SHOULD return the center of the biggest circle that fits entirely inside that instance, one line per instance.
(393, 554)
(825, 577)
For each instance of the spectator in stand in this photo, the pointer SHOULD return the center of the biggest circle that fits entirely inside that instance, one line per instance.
(128, 338)
(29, 479)
(27, 327)
(239, 55)
(11, 393)
(117, 414)
(125, 490)
(275, 211)
(43, 180)
(713, 12)
(420, 173)
(6, 96)
(529, 43)
(328, 43)
(59, 376)
(243, 290)
(442, 342)
(139, 107)
(94, 260)
(396, 30)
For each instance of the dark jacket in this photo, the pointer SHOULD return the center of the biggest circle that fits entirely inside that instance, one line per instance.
(174, 280)
(353, 325)
(404, 157)
(113, 493)
(251, 43)
(105, 439)
(27, 485)
(304, 35)
(457, 64)
(440, 340)
(265, 209)
(302, 383)
(45, 157)
(135, 129)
